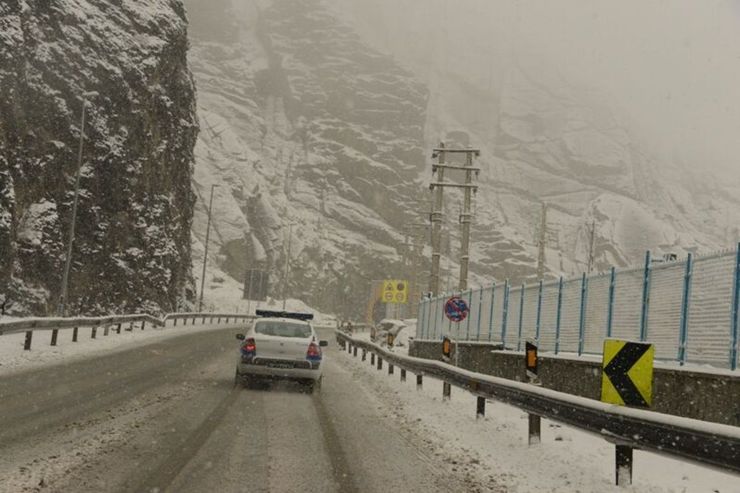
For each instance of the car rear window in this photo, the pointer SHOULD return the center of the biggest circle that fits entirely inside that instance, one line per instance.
(283, 329)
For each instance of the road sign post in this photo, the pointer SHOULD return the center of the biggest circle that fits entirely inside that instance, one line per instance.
(530, 362)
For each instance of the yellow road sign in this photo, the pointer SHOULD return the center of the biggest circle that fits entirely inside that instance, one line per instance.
(627, 373)
(395, 291)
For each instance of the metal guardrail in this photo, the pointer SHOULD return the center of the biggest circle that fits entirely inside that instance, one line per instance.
(29, 325)
(706, 443)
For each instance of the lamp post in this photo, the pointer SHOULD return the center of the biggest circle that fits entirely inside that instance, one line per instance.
(205, 254)
(70, 242)
(287, 263)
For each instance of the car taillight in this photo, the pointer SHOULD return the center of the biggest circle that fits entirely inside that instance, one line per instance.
(249, 348)
(314, 352)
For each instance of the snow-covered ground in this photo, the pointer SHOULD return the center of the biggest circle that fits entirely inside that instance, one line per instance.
(13, 358)
(494, 449)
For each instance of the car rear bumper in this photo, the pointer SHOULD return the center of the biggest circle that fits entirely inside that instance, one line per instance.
(312, 371)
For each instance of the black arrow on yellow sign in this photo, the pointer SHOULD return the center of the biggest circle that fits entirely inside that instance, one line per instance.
(618, 368)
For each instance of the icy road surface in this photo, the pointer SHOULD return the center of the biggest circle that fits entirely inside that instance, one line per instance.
(166, 417)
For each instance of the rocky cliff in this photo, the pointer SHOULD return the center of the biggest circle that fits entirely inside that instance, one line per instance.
(303, 124)
(132, 247)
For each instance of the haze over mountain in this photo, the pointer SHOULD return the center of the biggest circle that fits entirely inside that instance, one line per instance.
(324, 114)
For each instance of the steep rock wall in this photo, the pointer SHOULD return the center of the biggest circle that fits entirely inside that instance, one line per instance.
(132, 248)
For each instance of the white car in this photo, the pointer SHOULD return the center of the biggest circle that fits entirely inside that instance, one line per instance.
(280, 345)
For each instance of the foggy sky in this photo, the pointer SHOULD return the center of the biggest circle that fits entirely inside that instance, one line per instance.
(671, 67)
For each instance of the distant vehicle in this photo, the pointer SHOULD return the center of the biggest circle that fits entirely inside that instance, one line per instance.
(280, 345)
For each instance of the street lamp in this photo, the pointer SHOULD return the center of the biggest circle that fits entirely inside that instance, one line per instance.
(287, 263)
(70, 242)
(205, 254)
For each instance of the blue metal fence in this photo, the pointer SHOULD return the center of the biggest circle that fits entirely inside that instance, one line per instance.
(688, 309)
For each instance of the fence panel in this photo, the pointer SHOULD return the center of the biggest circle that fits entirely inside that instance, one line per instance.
(485, 314)
(627, 305)
(529, 322)
(664, 314)
(512, 325)
(597, 310)
(548, 317)
(710, 310)
(498, 313)
(570, 317)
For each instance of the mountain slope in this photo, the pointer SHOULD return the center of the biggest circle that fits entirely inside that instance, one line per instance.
(132, 248)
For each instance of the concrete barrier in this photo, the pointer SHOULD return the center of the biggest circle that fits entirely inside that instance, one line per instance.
(705, 395)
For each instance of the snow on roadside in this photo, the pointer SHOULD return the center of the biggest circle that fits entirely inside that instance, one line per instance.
(13, 358)
(494, 448)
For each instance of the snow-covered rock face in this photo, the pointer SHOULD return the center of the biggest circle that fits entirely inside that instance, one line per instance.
(132, 248)
(303, 124)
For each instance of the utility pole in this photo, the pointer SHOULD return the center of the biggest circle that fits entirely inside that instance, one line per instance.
(465, 220)
(287, 263)
(591, 245)
(541, 243)
(465, 216)
(205, 254)
(71, 240)
(436, 219)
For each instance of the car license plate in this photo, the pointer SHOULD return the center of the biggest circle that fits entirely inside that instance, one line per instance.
(280, 365)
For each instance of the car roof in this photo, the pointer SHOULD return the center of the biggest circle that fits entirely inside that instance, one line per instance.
(282, 319)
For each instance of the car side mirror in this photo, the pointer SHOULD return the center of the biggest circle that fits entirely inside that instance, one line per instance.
(323, 343)
(240, 337)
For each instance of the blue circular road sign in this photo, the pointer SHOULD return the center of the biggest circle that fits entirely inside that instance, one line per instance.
(456, 309)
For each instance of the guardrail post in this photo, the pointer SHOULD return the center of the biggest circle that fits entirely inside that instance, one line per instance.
(480, 407)
(118, 329)
(559, 315)
(403, 374)
(446, 391)
(390, 369)
(684, 328)
(54, 334)
(380, 363)
(623, 465)
(94, 332)
(364, 354)
(582, 316)
(533, 434)
(610, 304)
(645, 298)
(538, 322)
(505, 314)
(174, 322)
(143, 323)
(490, 314)
(419, 381)
(27, 342)
(219, 320)
(735, 308)
(193, 320)
(227, 320)
(372, 359)
(130, 327)
(203, 322)
(354, 351)
(106, 330)
(75, 330)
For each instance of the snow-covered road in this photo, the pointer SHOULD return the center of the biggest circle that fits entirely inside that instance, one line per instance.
(165, 416)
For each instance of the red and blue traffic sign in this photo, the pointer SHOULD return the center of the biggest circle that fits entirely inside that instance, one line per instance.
(456, 309)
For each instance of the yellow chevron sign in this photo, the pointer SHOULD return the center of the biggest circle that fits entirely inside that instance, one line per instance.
(627, 373)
